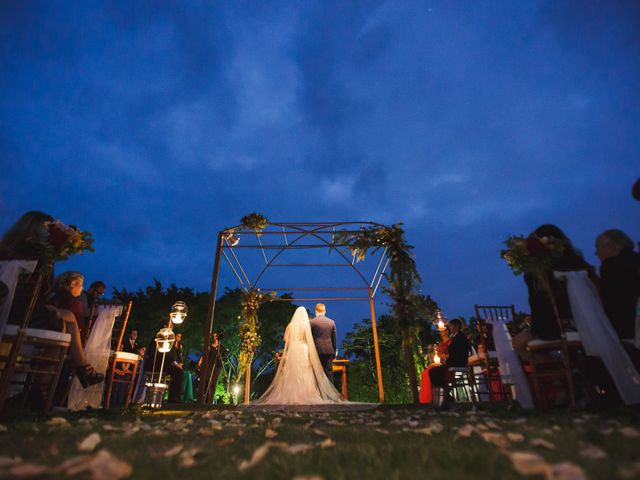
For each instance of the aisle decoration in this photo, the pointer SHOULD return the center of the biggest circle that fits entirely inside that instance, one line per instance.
(403, 277)
(250, 338)
(532, 255)
(60, 241)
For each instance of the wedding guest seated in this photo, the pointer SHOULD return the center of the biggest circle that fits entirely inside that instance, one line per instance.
(458, 355)
(131, 345)
(619, 280)
(24, 241)
(426, 390)
(543, 321)
(91, 296)
(68, 287)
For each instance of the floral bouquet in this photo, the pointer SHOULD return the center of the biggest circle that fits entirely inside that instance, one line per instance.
(60, 241)
(532, 255)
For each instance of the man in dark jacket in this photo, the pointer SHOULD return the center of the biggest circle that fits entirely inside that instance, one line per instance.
(458, 355)
(323, 330)
(619, 280)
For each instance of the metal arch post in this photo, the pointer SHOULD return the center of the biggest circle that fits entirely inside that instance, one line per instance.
(204, 367)
(376, 348)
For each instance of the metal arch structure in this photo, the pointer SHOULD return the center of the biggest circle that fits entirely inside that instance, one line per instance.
(281, 237)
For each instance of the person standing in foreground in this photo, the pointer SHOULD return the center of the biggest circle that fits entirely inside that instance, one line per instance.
(323, 330)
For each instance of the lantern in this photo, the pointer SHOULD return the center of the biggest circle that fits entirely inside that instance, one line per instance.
(178, 312)
(164, 340)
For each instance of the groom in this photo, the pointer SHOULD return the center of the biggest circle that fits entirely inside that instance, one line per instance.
(323, 330)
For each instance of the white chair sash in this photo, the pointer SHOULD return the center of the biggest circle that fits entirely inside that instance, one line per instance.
(510, 366)
(598, 335)
(10, 270)
(97, 352)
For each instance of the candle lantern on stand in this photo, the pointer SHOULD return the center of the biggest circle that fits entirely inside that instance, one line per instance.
(165, 338)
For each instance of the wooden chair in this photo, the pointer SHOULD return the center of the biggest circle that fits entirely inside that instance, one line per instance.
(31, 367)
(123, 366)
(553, 361)
(463, 385)
(489, 371)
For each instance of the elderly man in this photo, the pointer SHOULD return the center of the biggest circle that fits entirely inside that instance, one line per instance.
(620, 280)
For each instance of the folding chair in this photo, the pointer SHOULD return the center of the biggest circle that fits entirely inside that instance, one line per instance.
(31, 367)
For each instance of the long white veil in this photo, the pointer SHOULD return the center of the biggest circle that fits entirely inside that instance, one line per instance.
(300, 379)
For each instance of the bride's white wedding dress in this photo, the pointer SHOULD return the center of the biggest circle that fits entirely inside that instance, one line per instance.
(300, 379)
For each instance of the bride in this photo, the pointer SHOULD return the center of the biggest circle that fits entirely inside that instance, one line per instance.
(300, 379)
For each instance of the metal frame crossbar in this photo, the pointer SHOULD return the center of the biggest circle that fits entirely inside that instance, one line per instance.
(295, 236)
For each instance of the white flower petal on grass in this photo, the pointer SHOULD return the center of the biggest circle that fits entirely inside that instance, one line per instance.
(498, 439)
(90, 442)
(541, 442)
(58, 422)
(296, 448)
(3, 428)
(188, 457)
(466, 431)
(515, 437)
(527, 463)
(105, 466)
(173, 451)
(492, 425)
(566, 471)
(327, 443)
(435, 427)
(24, 470)
(259, 454)
(592, 452)
(630, 432)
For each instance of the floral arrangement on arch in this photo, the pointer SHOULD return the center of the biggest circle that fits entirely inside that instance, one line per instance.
(250, 338)
(532, 255)
(60, 241)
(255, 221)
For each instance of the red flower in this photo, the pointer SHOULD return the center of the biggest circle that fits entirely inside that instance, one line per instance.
(57, 236)
(536, 247)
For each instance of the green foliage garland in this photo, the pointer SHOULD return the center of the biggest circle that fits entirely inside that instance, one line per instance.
(250, 304)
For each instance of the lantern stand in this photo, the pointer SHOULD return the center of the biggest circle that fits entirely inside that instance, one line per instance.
(165, 338)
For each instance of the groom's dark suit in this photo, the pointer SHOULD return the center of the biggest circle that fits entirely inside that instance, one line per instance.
(323, 330)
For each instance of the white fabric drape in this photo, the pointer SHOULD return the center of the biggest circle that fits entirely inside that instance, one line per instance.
(300, 383)
(300, 379)
(511, 370)
(10, 270)
(97, 351)
(598, 336)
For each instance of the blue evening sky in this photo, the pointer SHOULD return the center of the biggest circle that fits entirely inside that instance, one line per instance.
(156, 124)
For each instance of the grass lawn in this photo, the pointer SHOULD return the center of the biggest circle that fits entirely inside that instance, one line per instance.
(388, 442)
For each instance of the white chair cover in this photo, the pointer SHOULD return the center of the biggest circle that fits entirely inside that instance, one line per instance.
(97, 351)
(10, 270)
(510, 366)
(598, 336)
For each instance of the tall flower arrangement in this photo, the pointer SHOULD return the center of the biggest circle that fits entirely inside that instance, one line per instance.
(403, 278)
(250, 338)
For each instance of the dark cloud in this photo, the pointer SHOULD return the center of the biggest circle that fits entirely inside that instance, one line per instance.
(155, 125)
